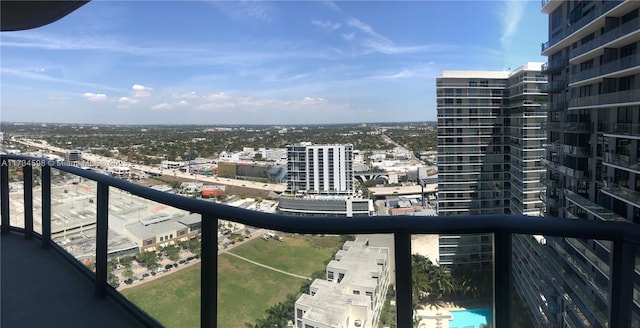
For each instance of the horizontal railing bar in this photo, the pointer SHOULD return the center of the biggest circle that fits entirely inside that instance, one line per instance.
(465, 224)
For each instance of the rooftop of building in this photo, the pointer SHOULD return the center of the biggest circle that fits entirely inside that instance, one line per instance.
(310, 144)
(528, 66)
(330, 306)
(475, 74)
(142, 231)
(360, 262)
(190, 219)
(329, 309)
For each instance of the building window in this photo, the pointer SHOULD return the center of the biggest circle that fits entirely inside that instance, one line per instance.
(181, 233)
(161, 238)
(148, 242)
(299, 313)
(370, 294)
(330, 275)
(356, 292)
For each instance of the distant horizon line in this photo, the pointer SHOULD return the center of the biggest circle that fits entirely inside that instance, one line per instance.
(212, 125)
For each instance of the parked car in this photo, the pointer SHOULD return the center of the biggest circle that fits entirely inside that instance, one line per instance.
(168, 267)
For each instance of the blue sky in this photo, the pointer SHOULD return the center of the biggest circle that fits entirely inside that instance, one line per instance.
(233, 62)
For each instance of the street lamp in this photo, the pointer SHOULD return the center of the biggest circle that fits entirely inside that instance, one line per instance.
(422, 183)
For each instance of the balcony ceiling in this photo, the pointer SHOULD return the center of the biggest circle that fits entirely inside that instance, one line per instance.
(24, 15)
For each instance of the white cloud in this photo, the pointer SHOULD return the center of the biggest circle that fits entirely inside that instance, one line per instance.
(216, 96)
(510, 19)
(349, 36)
(163, 106)
(332, 5)
(41, 76)
(366, 28)
(371, 41)
(124, 102)
(423, 71)
(311, 100)
(183, 103)
(327, 25)
(248, 105)
(140, 91)
(245, 10)
(190, 95)
(95, 97)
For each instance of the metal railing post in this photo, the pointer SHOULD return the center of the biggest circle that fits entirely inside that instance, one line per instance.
(622, 274)
(404, 306)
(46, 206)
(4, 196)
(209, 273)
(502, 278)
(102, 228)
(27, 176)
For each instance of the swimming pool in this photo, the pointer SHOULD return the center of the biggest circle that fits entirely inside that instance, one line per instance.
(471, 318)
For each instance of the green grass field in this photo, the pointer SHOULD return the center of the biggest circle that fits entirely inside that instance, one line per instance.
(173, 300)
(245, 291)
(302, 255)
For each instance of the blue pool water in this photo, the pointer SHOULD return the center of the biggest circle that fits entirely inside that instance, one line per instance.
(471, 318)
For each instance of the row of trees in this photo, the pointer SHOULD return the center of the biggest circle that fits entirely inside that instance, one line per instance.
(148, 259)
(154, 143)
(433, 285)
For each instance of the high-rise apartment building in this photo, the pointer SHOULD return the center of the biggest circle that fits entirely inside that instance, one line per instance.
(593, 152)
(490, 147)
(320, 169)
(320, 182)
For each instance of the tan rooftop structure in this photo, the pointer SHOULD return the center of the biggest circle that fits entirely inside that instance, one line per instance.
(157, 230)
(354, 290)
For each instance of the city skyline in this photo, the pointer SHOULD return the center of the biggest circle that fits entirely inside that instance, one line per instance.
(113, 62)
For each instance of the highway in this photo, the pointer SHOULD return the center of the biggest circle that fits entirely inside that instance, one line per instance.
(106, 162)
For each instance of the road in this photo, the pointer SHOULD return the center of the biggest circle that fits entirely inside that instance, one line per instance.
(412, 156)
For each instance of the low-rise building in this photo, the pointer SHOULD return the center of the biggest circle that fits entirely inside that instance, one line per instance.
(339, 206)
(162, 229)
(172, 165)
(119, 171)
(353, 293)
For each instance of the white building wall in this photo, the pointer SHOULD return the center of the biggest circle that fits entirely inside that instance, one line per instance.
(325, 175)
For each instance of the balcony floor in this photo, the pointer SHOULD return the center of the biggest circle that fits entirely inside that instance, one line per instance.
(39, 288)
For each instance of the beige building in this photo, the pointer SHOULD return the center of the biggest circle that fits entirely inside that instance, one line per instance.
(160, 230)
(353, 293)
